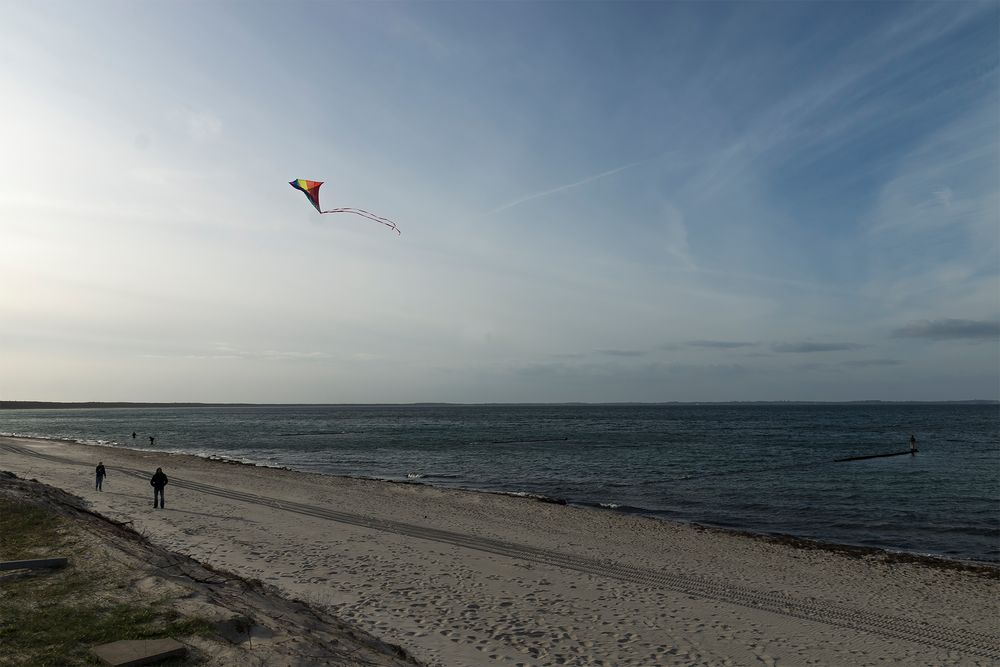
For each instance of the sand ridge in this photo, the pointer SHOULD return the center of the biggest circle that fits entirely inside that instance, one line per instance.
(461, 578)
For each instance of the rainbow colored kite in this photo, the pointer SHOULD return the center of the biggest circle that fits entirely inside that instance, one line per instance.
(311, 190)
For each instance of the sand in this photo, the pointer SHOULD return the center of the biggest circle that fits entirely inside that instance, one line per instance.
(253, 625)
(464, 578)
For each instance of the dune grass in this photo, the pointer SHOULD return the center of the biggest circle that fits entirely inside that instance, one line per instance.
(53, 617)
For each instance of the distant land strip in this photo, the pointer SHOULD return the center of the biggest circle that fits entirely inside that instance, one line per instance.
(38, 405)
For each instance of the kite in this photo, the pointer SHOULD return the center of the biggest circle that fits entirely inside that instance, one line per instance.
(311, 190)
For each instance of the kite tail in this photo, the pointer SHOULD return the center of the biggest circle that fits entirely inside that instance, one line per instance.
(366, 214)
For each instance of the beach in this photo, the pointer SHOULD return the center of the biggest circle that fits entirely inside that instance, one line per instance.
(464, 578)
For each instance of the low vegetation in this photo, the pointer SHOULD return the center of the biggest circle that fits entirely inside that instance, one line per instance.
(53, 617)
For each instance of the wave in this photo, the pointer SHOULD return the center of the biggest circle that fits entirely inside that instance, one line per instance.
(431, 475)
(518, 441)
(531, 496)
(618, 507)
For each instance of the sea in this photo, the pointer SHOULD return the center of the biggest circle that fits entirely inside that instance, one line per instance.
(763, 468)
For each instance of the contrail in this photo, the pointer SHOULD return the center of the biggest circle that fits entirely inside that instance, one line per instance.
(569, 186)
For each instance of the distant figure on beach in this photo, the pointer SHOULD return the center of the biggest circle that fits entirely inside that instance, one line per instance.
(152, 439)
(913, 444)
(158, 481)
(133, 435)
(101, 474)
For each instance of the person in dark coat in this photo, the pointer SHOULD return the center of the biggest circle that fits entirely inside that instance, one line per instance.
(101, 474)
(158, 481)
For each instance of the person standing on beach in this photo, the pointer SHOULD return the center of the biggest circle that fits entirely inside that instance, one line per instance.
(101, 474)
(158, 481)
(913, 444)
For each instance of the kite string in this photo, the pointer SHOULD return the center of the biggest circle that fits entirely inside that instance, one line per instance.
(366, 214)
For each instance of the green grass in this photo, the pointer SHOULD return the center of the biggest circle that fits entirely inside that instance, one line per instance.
(25, 529)
(53, 617)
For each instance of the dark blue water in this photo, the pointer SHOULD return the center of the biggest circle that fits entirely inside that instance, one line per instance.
(766, 469)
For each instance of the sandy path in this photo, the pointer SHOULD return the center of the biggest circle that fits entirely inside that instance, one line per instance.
(463, 578)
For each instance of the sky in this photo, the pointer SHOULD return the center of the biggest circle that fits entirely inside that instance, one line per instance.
(600, 201)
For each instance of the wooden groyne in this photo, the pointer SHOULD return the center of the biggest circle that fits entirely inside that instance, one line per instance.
(872, 456)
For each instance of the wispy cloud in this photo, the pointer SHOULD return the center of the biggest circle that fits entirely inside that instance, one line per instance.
(622, 353)
(814, 347)
(223, 351)
(568, 186)
(869, 363)
(949, 329)
(719, 344)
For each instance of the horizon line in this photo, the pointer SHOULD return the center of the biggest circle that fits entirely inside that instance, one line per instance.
(10, 405)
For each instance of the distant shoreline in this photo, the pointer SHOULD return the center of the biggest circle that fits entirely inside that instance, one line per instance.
(48, 405)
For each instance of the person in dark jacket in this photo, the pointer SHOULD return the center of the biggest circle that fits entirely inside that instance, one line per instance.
(101, 474)
(158, 481)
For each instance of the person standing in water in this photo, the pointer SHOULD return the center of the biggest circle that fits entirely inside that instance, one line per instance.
(158, 481)
(101, 474)
(913, 444)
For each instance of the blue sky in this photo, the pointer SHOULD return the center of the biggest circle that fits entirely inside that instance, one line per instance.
(599, 201)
